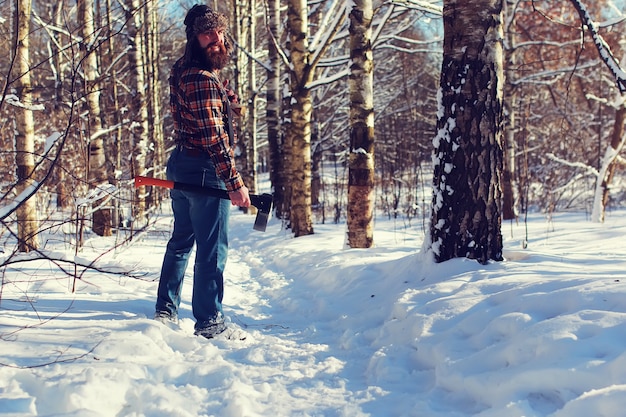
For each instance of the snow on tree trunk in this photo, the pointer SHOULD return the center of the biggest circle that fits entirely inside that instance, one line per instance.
(603, 50)
(361, 160)
(468, 154)
(98, 174)
(27, 219)
(300, 215)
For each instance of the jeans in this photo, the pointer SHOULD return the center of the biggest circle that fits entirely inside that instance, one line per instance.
(202, 220)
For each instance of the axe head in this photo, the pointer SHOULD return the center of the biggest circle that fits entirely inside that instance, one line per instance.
(263, 203)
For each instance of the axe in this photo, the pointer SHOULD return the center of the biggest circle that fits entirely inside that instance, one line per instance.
(262, 202)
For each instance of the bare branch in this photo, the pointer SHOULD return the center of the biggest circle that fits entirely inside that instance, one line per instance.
(603, 49)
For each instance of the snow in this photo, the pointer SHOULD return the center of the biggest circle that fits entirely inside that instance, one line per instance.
(329, 331)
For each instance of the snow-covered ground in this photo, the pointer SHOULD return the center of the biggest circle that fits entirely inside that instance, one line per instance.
(330, 331)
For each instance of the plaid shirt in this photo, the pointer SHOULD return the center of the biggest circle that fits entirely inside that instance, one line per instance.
(196, 103)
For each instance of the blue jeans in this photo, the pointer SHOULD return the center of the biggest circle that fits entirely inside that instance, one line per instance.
(202, 220)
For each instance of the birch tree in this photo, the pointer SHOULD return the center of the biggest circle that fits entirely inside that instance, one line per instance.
(510, 194)
(139, 108)
(361, 183)
(466, 204)
(273, 106)
(618, 136)
(153, 87)
(303, 61)
(27, 219)
(299, 130)
(246, 111)
(97, 173)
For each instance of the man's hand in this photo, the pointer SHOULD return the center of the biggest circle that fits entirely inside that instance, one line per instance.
(232, 96)
(240, 197)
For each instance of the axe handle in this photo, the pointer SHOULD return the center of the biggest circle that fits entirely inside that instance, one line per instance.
(175, 185)
(258, 201)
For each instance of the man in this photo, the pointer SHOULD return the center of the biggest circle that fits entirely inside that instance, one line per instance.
(204, 155)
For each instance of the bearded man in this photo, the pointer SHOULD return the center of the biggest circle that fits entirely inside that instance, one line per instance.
(204, 155)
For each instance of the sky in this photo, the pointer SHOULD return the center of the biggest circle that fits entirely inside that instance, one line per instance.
(317, 329)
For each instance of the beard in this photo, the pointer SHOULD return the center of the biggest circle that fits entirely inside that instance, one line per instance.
(212, 60)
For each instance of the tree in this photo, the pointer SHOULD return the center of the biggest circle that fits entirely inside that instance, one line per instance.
(510, 194)
(466, 203)
(153, 94)
(246, 112)
(361, 159)
(303, 62)
(618, 137)
(97, 174)
(299, 130)
(139, 113)
(273, 107)
(27, 219)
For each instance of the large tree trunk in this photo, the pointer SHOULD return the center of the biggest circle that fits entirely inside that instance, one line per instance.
(27, 219)
(466, 214)
(300, 215)
(98, 174)
(361, 159)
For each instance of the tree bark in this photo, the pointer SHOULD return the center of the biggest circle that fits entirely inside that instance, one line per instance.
(251, 113)
(466, 217)
(154, 103)
(27, 219)
(510, 190)
(608, 165)
(97, 174)
(300, 215)
(273, 109)
(139, 112)
(360, 219)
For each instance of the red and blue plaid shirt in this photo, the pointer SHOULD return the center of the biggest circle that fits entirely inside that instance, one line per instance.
(200, 120)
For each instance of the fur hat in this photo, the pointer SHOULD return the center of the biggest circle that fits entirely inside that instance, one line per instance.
(201, 18)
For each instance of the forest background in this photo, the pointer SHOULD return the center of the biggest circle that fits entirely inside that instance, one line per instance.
(84, 109)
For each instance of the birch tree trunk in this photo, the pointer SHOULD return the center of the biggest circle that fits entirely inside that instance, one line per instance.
(466, 214)
(63, 200)
(618, 139)
(607, 168)
(251, 114)
(112, 106)
(510, 192)
(273, 109)
(300, 215)
(361, 159)
(97, 174)
(139, 108)
(245, 29)
(154, 103)
(27, 219)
